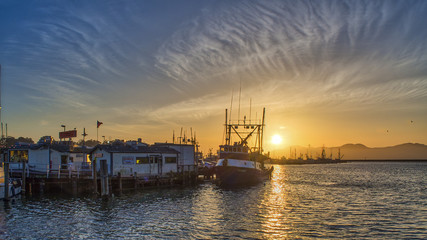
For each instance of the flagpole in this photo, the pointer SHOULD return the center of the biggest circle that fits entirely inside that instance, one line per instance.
(98, 123)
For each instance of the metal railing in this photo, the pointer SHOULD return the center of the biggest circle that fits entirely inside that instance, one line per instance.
(49, 171)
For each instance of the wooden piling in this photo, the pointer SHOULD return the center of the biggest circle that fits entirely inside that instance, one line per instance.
(24, 177)
(6, 181)
(74, 182)
(95, 179)
(104, 177)
(42, 185)
(120, 182)
(30, 188)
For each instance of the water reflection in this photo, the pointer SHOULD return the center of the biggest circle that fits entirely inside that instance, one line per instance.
(273, 206)
(335, 201)
(208, 211)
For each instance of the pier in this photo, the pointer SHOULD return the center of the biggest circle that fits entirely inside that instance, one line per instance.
(101, 183)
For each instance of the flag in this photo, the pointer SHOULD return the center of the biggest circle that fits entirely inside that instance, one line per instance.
(98, 123)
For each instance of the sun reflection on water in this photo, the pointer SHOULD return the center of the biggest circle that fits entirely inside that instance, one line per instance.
(274, 207)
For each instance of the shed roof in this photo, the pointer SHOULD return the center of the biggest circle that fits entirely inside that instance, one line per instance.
(134, 149)
(56, 147)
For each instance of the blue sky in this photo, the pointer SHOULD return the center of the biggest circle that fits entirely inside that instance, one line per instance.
(328, 72)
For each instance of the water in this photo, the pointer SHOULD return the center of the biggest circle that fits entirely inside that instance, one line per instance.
(345, 201)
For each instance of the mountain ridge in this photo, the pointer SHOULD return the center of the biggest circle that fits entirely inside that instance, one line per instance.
(358, 151)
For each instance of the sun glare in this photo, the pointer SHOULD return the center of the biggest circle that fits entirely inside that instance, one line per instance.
(276, 139)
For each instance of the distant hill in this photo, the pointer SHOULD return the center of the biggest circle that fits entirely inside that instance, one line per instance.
(406, 151)
(402, 151)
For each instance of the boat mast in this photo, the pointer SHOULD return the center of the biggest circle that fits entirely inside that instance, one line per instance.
(227, 138)
(262, 132)
(0, 104)
(240, 93)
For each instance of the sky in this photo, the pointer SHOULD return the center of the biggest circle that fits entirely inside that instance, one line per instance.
(327, 72)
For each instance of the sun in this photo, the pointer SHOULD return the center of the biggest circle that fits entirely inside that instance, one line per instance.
(276, 139)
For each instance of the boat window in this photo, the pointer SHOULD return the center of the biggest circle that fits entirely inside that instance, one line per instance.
(234, 149)
(239, 149)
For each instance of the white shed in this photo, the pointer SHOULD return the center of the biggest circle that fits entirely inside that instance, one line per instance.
(142, 160)
(187, 158)
(39, 158)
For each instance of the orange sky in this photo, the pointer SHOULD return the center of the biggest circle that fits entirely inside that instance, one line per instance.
(327, 74)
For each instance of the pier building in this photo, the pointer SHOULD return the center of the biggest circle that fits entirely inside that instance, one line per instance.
(141, 160)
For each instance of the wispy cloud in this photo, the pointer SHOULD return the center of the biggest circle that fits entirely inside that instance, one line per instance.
(356, 51)
(145, 64)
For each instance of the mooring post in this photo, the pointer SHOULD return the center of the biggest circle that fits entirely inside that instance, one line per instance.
(110, 184)
(120, 182)
(104, 177)
(23, 178)
(6, 181)
(42, 184)
(47, 171)
(94, 175)
(74, 182)
(30, 186)
(59, 171)
(135, 178)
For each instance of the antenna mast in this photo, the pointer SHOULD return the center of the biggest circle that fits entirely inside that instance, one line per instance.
(240, 93)
(250, 110)
(173, 137)
(262, 132)
(231, 107)
(1, 88)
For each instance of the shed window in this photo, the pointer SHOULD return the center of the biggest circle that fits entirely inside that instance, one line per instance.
(142, 160)
(153, 159)
(18, 155)
(170, 159)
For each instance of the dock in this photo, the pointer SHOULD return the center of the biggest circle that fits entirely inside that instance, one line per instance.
(101, 184)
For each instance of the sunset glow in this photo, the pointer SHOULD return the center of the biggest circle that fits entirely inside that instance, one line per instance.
(276, 139)
(331, 73)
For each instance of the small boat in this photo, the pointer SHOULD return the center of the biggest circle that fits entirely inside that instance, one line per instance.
(14, 186)
(239, 164)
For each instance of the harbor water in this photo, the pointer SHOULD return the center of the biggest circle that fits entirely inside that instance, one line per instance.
(359, 200)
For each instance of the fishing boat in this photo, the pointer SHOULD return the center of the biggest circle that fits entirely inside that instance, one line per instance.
(239, 163)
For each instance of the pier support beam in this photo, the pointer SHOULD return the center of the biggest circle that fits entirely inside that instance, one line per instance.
(24, 178)
(120, 182)
(6, 181)
(95, 178)
(105, 189)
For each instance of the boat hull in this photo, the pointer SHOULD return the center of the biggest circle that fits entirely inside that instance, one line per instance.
(237, 176)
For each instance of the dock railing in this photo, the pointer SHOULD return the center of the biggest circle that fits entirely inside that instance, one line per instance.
(47, 171)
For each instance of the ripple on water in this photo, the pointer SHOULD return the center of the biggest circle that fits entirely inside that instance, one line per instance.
(356, 200)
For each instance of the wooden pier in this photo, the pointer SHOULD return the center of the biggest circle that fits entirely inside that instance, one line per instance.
(102, 184)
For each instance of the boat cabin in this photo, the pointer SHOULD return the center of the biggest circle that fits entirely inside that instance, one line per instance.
(236, 151)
